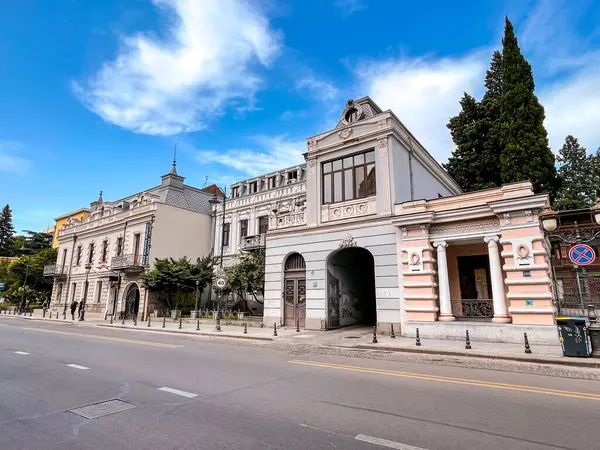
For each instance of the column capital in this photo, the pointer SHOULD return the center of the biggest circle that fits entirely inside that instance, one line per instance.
(492, 240)
(440, 245)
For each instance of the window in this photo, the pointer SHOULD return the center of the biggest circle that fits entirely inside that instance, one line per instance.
(225, 235)
(254, 187)
(104, 251)
(136, 248)
(351, 115)
(64, 258)
(292, 175)
(349, 178)
(74, 290)
(98, 291)
(243, 228)
(119, 246)
(272, 181)
(263, 224)
(91, 253)
(235, 192)
(59, 290)
(78, 258)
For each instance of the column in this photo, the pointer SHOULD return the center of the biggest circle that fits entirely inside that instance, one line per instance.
(443, 283)
(500, 311)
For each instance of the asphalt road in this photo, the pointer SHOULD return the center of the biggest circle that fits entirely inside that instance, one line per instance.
(176, 392)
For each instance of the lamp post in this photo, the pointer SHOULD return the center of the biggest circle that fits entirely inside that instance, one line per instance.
(197, 298)
(88, 267)
(215, 201)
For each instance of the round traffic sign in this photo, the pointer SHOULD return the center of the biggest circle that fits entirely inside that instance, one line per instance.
(221, 283)
(582, 254)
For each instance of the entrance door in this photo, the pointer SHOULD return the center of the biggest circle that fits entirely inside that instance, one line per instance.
(136, 249)
(294, 291)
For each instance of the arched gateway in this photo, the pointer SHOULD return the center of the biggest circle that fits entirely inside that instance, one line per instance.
(351, 288)
(294, 290)
(131, 301)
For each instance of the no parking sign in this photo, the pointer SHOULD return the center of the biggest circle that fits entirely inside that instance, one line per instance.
(582, 254)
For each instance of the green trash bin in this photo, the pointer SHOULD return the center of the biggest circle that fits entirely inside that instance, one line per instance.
(573, 336)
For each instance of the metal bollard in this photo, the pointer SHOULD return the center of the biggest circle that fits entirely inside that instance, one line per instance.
(245, 328)
(111, 319)
(197, 324)
(392, 334)
(274, 328)
(375, 335)
(467, 340)
(418, 339)
(148, 321)
(57, 314)
(135, 320)
(123, 322)
(298, 325)
(64, 315)
(164, 321)
(527, 347)
(180, 322)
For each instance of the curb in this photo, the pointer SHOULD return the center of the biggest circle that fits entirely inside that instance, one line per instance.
(566, 362)
(190, 333)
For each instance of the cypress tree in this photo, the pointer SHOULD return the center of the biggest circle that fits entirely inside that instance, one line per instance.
(491, 117)
(6, 232)
(526, 154)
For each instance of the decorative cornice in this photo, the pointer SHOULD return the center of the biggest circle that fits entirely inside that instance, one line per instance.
(458, 229)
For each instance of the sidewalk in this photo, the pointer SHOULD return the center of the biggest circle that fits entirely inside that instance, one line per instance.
(354, 338)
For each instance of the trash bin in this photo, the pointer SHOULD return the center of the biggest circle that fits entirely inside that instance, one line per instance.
(573, 335)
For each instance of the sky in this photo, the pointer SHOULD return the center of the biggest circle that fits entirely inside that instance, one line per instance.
(96, 95)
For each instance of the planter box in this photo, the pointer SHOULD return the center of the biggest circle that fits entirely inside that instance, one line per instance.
(176, 314)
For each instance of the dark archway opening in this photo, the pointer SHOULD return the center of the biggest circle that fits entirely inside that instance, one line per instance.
(351, 288)
(132, 302)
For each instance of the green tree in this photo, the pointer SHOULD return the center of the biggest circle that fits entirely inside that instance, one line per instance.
(174, 281)
(526, 154)
(578, 174)
(491, 112)
(27, 275)
(6, 232)
(246, 278)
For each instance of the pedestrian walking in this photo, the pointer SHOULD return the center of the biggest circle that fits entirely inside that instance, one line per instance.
(79, 310)
(73, 308)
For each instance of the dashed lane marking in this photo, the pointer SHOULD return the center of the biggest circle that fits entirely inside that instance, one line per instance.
(107, 338)
(18, 352)
(178, 392)
(77, 366)
(385, 443)
(464, 381)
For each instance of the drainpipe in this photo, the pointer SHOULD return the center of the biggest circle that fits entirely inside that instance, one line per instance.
(69, 276)
(410, 171)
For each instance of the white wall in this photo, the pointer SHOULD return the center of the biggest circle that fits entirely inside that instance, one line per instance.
(179, 232)
(379, 239)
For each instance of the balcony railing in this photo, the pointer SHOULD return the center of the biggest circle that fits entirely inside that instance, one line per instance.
(127, 262)
(55, 270)
(473, 309)
(255, 242)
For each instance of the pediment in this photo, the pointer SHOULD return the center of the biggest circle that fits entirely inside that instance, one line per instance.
(347, 133)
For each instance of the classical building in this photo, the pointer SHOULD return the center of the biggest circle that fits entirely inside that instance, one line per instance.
(102, 257)
(372, 230)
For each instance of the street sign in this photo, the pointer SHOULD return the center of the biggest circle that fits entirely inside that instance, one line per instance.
(221, 283)
(582, 254)
(1, 286)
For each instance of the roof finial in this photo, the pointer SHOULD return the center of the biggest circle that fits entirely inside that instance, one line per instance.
(100, 199)
(174, 169)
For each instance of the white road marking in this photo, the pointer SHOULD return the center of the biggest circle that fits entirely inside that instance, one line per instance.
(385, 443)
(77, 366)
(178, 392)
(21, 353)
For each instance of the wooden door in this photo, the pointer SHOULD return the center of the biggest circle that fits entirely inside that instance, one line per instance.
(295, 301)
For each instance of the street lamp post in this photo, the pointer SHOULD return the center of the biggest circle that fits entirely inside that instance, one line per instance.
(197, 298)
(88, 268)
(22, 305)
(215, 201)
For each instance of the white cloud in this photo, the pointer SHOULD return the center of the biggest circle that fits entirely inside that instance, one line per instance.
(350, 6)
(209, 60)
(319, 88)
(274, 153)
(425, 92)
(12, 163)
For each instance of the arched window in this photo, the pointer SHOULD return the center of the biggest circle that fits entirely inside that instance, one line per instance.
(295, 262)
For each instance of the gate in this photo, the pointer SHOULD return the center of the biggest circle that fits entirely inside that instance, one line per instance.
(294, 291)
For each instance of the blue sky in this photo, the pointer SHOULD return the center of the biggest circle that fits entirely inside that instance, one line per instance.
(95, 95)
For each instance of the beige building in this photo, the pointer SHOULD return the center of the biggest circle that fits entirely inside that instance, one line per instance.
(101, 258)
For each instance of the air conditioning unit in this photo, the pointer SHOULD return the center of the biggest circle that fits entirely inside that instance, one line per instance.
(291, 181)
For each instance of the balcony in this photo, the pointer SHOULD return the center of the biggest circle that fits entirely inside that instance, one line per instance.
(55, 270)
(255, 242)
(127, 263)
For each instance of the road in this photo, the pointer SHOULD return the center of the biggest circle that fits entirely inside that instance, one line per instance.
(176, 392)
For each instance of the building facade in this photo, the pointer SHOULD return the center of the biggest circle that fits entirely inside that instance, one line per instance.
(374, 231)
(102, 257)
(61, 221)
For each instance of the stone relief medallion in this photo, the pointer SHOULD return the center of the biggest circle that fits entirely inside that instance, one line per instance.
(362, 208)
(415, 259)
(522, 252)
(346, 133)
(348, 241)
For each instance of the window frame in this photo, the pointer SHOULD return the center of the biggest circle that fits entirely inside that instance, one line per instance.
(266, 221)
(120, 242)
(272, 182)
(104, 254)
(243, 228)
(226, 229)
(91, 249)
(342, 172)
(78, 256)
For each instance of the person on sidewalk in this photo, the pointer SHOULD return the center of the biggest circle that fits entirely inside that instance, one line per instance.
(73, 309)
(79, 310)
(44, 308)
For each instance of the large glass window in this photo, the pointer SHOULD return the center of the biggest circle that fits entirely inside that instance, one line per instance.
(225, 235)
(349, 178)
(243, 228)
(263, 224)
